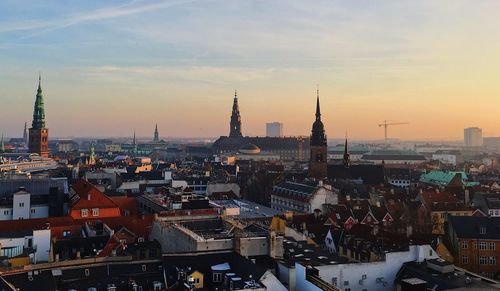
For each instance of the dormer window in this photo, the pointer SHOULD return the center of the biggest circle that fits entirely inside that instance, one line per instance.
(482, 230)
(85, 212)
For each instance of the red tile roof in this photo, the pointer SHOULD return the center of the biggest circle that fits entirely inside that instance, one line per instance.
(90, 197)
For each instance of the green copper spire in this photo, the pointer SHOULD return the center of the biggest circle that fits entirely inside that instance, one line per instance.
(39, 110)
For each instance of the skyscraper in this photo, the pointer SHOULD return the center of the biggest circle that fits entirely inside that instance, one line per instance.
(318, 166)
(473, 137)
(274, 129)
(156, 136)
(38, 133)
(235, 124)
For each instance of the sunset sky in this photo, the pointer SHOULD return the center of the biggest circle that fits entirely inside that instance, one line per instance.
(109, 67)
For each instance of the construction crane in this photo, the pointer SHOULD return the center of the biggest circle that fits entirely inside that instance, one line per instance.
(385, 125)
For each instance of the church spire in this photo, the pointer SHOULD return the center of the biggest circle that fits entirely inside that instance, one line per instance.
(25, 133)
(346, 159)
(235, 124)
(318, 111)
(156, 136)
(2, 145)
(39, 110)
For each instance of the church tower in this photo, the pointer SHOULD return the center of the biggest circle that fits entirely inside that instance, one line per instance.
(346, 160)
(156, 137)
(235, 129)
(25, 133)
(38, 133)
(318, 166)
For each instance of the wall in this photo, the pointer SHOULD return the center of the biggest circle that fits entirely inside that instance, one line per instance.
(39, 211)
(6, 213)
(386, 271)
(223, 187)
(21, 212)
(253, 246)
(41, 241)
(353, 273)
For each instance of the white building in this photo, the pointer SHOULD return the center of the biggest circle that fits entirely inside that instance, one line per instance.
(13, 245)
(354, 276)
(297, 197)
(22, 206)
(274, 129)
(473, 137)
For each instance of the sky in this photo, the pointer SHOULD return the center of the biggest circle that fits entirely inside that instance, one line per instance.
(112, 67)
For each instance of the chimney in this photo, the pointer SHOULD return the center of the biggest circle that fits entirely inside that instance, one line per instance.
(392, 191)
(467, 197)
(378, 203)
(88, 196)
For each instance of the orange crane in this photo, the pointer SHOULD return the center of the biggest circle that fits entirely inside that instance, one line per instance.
(387, 124)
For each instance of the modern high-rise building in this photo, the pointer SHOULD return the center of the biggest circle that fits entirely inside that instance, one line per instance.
(38, 133)
(473, 137)
(274, 129)
(235, 124)
(318, 167)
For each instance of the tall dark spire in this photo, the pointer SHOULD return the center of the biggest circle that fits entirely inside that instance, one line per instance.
(39, 110)
(318, 165)
(235, 124)
(156, 135)
(318, 111)
(318, 136)
(25, 133)
(346, 161)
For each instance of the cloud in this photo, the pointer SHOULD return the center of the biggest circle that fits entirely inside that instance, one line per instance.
(131, 8)
(205, 74)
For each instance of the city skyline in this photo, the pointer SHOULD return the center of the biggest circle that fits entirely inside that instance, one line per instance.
(144, 67)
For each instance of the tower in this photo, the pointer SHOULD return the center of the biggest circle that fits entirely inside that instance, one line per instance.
(156, 136)
(235, 126)
(38, 133)
(134, 143)
(346, 161)
(318, 146)
(25, 133)
(92, 155)
(2, 145)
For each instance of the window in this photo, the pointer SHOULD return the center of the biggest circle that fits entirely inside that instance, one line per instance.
(67, 233)
(21, 204)
(492, 246)
(95, 211)
(482, 245)
(6, 212)
(465, 260)
(493, 260)
(346, 283)
(217, 277)
(196, 280)
(334, 281)
(482, 230)
(33, 210)
(464, 244)
(483, 260)
(85, 212)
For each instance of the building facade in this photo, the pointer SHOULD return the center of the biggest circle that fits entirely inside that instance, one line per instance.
(476, 241)
(473, 137)
(274, 129)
